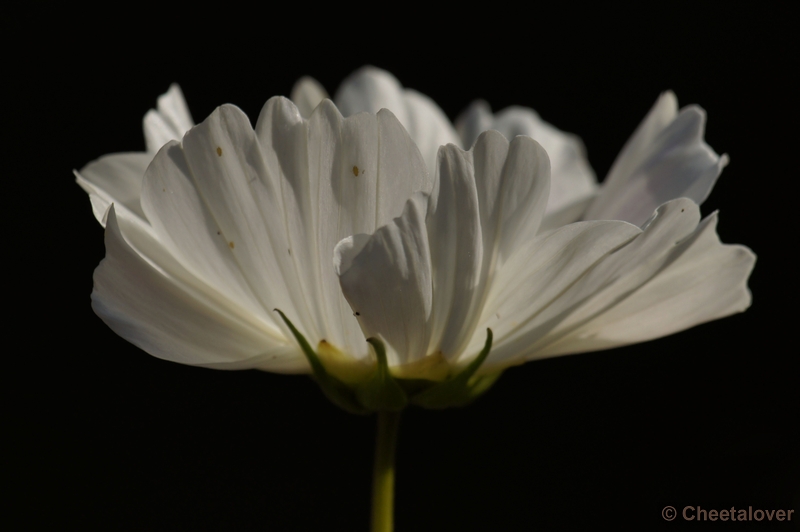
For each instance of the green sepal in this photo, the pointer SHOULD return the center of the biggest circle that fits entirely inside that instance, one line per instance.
(480, 385)
(462, 388)
(381, 392)
(338, 392)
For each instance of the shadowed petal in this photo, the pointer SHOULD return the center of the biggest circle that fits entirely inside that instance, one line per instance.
(169, 121)
(572, 180)
(371, 89)
(666, 158)
(307, 94)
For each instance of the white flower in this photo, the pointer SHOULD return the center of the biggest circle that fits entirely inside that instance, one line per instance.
(310, 214)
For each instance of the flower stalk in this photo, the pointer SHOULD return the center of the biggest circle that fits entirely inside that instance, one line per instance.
(383, 472)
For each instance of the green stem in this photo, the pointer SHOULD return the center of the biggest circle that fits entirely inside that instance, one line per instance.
(383, 472)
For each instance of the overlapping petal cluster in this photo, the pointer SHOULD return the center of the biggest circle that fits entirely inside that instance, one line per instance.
(375, 217)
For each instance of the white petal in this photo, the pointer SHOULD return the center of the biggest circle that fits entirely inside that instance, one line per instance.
(244, 196)
(489, 202)
(567, 214)
(674, 265)
(516, 198)
(184, 224)
(428, 126)
(572, 180)
(371, 89)
(473, 121)
(115, 178)
(287, 188)
(169, 121)
(636, 149)
(307, 94)
(454, 233)
(666, 158)
(154, 313)
(705, 280)
(527, 295)
(386, 278)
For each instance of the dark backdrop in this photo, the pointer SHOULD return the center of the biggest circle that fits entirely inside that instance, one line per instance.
(102, 436)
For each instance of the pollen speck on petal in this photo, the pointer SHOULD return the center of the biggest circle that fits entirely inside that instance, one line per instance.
(355, 171)
(219, 151)
(231, 244)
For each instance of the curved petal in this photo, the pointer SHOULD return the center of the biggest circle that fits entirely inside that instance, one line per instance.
(674, 264)
(705, 280)
(572, 180)
(169, 121)
(243, 199)
(386, 278)
(307, 94)
(115, 178)
(371, 89)
(154, 313)
(513, 200)
(666, 158)
(454, 233)
(528, 290)
(185, 224)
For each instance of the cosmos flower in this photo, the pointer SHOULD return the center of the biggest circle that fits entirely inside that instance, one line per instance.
(357, 227)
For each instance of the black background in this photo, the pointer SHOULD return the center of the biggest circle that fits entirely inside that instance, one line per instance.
(102, 436)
